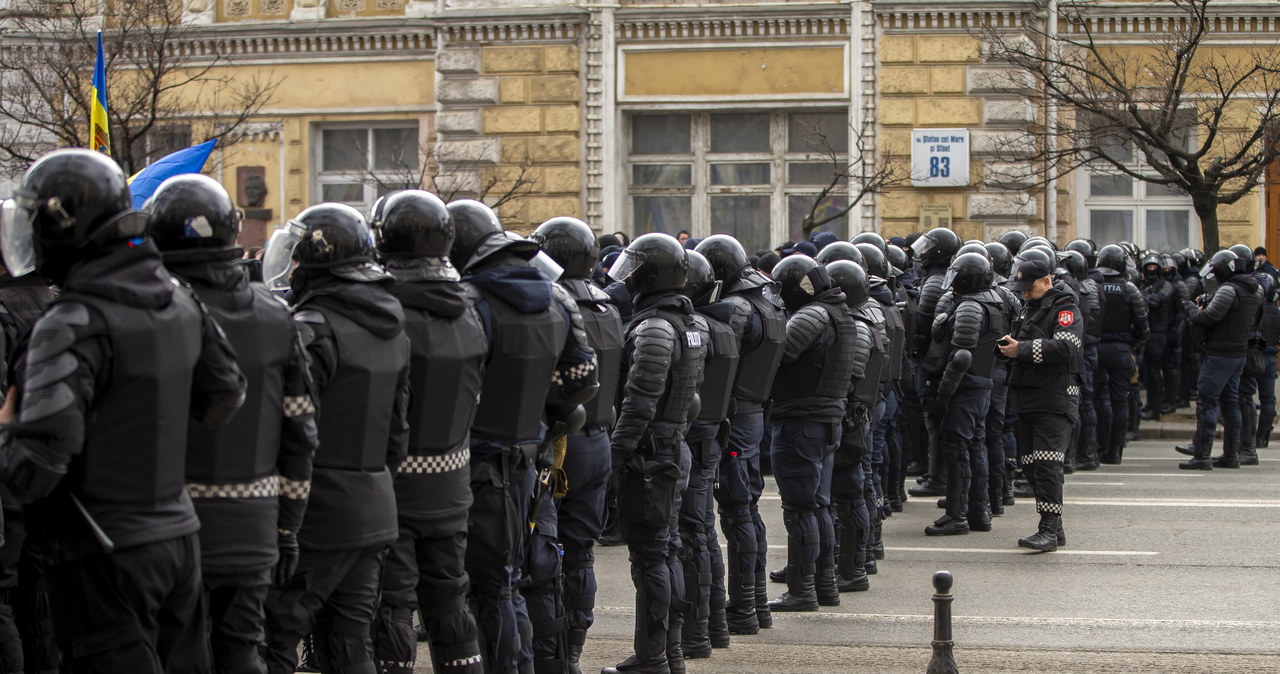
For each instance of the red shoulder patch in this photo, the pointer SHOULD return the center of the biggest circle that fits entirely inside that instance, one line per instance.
(1066, 318)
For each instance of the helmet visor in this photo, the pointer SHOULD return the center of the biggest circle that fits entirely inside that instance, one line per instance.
(16, 241)
(277, 257)
(626, 264)
(547, 266)
(1205, 272)
(921, 245)
(949, 279)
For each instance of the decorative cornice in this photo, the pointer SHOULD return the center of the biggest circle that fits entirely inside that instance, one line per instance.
(256, 132)
(1116, 18)
(916, 15)
(510, 26)
(703, 23)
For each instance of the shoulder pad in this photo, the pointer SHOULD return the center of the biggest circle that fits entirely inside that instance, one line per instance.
(310, 316)
(814, 311)
(307, 322)
(655, 327)
(53, 333)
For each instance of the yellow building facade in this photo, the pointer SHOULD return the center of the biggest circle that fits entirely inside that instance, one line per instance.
(651, 115)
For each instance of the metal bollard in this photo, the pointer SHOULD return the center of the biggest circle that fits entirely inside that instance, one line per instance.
(942, 661)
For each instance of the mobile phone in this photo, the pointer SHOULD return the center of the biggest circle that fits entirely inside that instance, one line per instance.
(1002, 342)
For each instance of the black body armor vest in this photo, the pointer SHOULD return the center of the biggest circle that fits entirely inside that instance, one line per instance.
(445, 371)
(826, 371)
(247, 447)
(758, 366)
(517, 379)
(687, 363)
(604, 333)
(721, 369)
(1232, 332)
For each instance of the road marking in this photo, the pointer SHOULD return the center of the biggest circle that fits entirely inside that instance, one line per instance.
(821, 616)
(1012, 551)
(1175, 503)
(1110, 474)
(1075, 483)
(1180, 458)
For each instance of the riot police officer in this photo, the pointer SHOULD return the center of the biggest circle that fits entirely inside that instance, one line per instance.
(424, 568)
(539, 370)
(1045, 387)
(706, 437)
(250, 480)
(871, 369)
(664, 359)
(1160, 296)
(960, 364)
(933, 253)
(577, 517)
(353, 331)
(809, 399)
(26, 631)
(102, 458)
(1085, 448)
(1227, 318)
(1269, 337)
(1123, 327)
(760, 326)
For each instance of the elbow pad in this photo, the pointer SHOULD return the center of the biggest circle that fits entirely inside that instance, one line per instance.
(956, 369)
(29, 476)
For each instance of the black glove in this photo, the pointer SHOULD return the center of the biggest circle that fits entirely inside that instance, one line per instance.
(288, 543)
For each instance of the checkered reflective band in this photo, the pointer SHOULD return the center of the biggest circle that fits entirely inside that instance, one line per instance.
(266, 487)
(1043, 456)
(1037, 351)
(297, 490)
(575, 373)
(296, 406)
(444, 463)
(1073, 390)
(1067, 336)
(1047, 507)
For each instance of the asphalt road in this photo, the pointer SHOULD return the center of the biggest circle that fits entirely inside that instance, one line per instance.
(1165, 571)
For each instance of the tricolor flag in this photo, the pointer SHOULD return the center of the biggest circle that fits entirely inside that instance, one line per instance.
(190, 160)
(99, 127)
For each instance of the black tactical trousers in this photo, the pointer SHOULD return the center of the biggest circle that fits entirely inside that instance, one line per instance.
(236, 616)
(650, 487)
(332, 596)
(140, 609)
(11, 661)
(24, 586)
(697, 522)
(424, 571)
(1042, 444)
(1111, 388)
(963, 446)
(993, 434)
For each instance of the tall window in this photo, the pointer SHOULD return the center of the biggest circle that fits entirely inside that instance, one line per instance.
(754, 175)
(357, 164)
(1119, 207)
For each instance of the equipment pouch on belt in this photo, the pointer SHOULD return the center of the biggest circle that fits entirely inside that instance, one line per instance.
(647, 491)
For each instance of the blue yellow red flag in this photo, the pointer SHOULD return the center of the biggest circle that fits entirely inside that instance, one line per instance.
(190, 160)
(99, 127)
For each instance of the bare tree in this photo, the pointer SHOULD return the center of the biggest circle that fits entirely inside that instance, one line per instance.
(412, 167)
(856, 173)
(157, 85)
(1200, 118)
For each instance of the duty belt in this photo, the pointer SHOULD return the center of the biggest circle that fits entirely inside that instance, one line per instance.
(442, 463)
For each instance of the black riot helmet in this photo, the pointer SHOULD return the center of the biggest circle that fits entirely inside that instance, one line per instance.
(193, 212)
(1074, 263)
(801, 279)
(873, 261)
(840, 250)
(478, 235)
(969, 273)
(1001, 258)
(1195, 258)
(975, 247)
(1223, 265)
(329, 237)
(1246, 254)
(725, 255)
(701, 285)
(413, 227)
(1151, 268)
(1112, 257)
(1169, 265)
(1180, 261)
(871, 238)
(936, 247)
(1012, 240)
(897, 259)
(412, 223)
(571, 243)
(654, 262)
(1085, 249)
(68, 200)
(1129, 248)
(852, 279)
(1039, 241)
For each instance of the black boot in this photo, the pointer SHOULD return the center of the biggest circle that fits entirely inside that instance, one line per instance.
(996, 500)
(877, 541)
(717, 624)
(1045, 539)
(1248, 433)
(778, 575)
(740, 614)
(930, 487)
(947, 526)
(1062, 534)
(675, 652)
(695, 640)
(1263, 438)
(979, 520)
(574, 641)
(851, 572)
(650, 643)
(1199, 447)
(1230, 448)
(953, 523)
(800, 594)
(763, 616)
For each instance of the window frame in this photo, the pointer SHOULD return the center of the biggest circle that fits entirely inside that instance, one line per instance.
(700, 158)
(320, 177)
